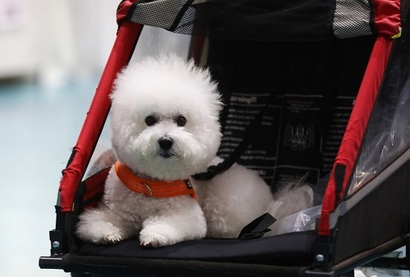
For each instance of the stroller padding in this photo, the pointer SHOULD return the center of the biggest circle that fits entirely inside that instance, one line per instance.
(267, 250)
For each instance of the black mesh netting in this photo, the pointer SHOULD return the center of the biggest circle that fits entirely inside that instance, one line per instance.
(246, 19)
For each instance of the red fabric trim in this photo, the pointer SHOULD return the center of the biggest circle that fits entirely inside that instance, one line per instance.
(95, 185)
(121, 52)
(387, 17)
(123, 9)
(356, 126)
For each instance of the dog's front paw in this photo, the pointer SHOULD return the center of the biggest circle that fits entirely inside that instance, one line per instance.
(100, 233)
(111, 239)
(99, 226)
(159, 235)
(153, 241)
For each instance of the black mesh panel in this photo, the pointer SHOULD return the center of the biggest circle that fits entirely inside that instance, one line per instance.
(259, 19)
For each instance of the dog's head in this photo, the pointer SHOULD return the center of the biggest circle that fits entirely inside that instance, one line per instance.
(165, 118)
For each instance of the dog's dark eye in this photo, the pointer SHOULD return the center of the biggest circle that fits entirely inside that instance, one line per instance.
(150, 120)
(181, 121)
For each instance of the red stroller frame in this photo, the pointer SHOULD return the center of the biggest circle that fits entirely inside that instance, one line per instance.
(343, 239)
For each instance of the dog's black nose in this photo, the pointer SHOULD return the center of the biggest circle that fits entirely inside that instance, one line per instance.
(165, 143)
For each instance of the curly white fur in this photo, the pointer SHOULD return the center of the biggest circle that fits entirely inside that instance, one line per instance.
(157, 99)
(239, 195)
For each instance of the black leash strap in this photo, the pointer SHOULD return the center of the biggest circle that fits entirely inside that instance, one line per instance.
(213, 170)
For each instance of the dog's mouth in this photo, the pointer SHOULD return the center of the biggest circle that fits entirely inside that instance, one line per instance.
(166, 154)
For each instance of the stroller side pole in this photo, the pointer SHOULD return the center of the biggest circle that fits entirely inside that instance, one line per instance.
(122, 50)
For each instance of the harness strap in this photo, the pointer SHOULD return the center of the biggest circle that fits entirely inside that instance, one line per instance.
(213, 170)
(151, 188)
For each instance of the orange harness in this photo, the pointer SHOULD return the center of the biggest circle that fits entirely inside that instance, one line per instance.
(150, 188)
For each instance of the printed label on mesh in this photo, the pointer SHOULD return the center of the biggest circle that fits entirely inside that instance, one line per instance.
(294, 142)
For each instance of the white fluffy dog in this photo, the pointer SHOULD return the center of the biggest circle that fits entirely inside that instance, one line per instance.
(165, 128)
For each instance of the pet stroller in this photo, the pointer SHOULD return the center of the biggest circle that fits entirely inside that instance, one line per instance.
(315, 90)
